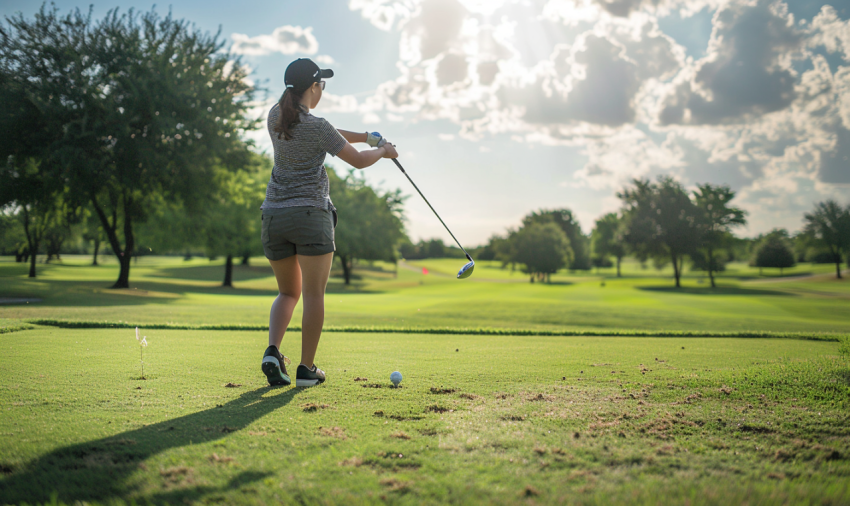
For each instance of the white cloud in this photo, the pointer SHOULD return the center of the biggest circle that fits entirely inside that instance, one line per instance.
(384, 14)
(284, 39)
(747, 71)
(324, 59)
(831, 32)
(760, 111)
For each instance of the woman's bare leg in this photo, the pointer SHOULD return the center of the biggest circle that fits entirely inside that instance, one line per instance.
(315, 271)
(288, 275)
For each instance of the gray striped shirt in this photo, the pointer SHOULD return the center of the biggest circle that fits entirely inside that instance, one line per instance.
(299, 177)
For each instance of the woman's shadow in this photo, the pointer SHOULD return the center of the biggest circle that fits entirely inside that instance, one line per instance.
(98, 470)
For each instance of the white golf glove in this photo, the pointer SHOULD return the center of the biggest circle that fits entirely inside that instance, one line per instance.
(374, 139)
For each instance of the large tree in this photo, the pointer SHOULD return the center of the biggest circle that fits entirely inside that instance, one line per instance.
(829, 225)
(607, 238)
(543, 249)
(130, 108)
(661, 221)
(773, 250)
(564, 219)
(370, 222)
(231, 224)
(33, 198)
(716, 219)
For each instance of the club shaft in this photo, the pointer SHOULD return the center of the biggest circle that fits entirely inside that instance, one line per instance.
(395, 161)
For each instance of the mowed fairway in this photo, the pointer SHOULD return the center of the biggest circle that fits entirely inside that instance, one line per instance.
(171, 290)
(500, 419)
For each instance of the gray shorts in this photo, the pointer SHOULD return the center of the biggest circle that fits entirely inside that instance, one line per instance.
(298, 231)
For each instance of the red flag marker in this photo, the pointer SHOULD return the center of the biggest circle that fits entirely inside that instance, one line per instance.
(424, 270)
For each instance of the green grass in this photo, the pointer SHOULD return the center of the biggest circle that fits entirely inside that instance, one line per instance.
(172, 291)
(478, 419)
(501, 413)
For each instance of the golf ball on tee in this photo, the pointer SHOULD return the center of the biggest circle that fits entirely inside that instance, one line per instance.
(395, 378)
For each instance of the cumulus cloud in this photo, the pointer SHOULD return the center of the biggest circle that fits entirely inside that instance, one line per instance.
(747, 71)
(761, 110)
(284, 39)
(384, 14)
(832, 32)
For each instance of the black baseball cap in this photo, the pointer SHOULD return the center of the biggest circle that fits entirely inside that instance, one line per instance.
(303, 72)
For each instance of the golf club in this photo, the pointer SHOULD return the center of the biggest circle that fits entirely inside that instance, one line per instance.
(467, 269)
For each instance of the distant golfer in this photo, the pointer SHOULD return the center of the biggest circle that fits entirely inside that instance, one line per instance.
(298, 215)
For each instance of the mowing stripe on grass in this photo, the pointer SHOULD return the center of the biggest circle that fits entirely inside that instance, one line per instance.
(813, 336)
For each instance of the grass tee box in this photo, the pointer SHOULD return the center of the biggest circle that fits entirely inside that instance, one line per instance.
(478, 419)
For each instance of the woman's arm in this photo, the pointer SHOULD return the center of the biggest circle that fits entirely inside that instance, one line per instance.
(363, 159)
(353, 137)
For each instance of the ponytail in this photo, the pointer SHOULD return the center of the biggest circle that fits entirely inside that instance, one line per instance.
(289, 114)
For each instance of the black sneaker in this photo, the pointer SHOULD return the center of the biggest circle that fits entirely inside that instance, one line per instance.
(305, 377)
(274, 367)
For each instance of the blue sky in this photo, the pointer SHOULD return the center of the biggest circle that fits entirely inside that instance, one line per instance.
(501, 107)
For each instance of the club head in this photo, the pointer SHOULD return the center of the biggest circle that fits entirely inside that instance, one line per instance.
(466, 270)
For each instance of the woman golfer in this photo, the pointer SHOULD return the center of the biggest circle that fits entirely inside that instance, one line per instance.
(298, 215)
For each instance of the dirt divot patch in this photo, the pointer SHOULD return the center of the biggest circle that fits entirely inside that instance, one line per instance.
(312, 407)
(334, 432)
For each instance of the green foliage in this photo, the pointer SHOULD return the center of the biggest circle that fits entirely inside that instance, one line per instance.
(124, 111)
(828, 226)
(716, 218)
(661, 221)
(230, 224)
(607, 240)
(28, 192)
(542, 248)
(564, 219)
(432, 248)
(774, 251)
(370, 223)
(12, 238)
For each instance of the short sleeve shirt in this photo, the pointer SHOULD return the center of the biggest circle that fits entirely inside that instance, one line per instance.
(299, 178)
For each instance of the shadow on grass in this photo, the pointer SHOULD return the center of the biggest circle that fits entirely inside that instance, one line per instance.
(720, 290)
(100, 470)
(213, 273)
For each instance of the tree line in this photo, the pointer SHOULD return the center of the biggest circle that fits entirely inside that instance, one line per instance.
(128, 132)
(663, 222)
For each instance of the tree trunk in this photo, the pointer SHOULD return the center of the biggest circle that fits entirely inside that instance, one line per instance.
(710, 266)
(32, 241)
(346, 269)
(228, 272)
(246, 260)
(532, 279)
(676, 269)
(838, 267)
(33, 247)
(109, 229)
(129, 245)
(96, 248)
(618, 267)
